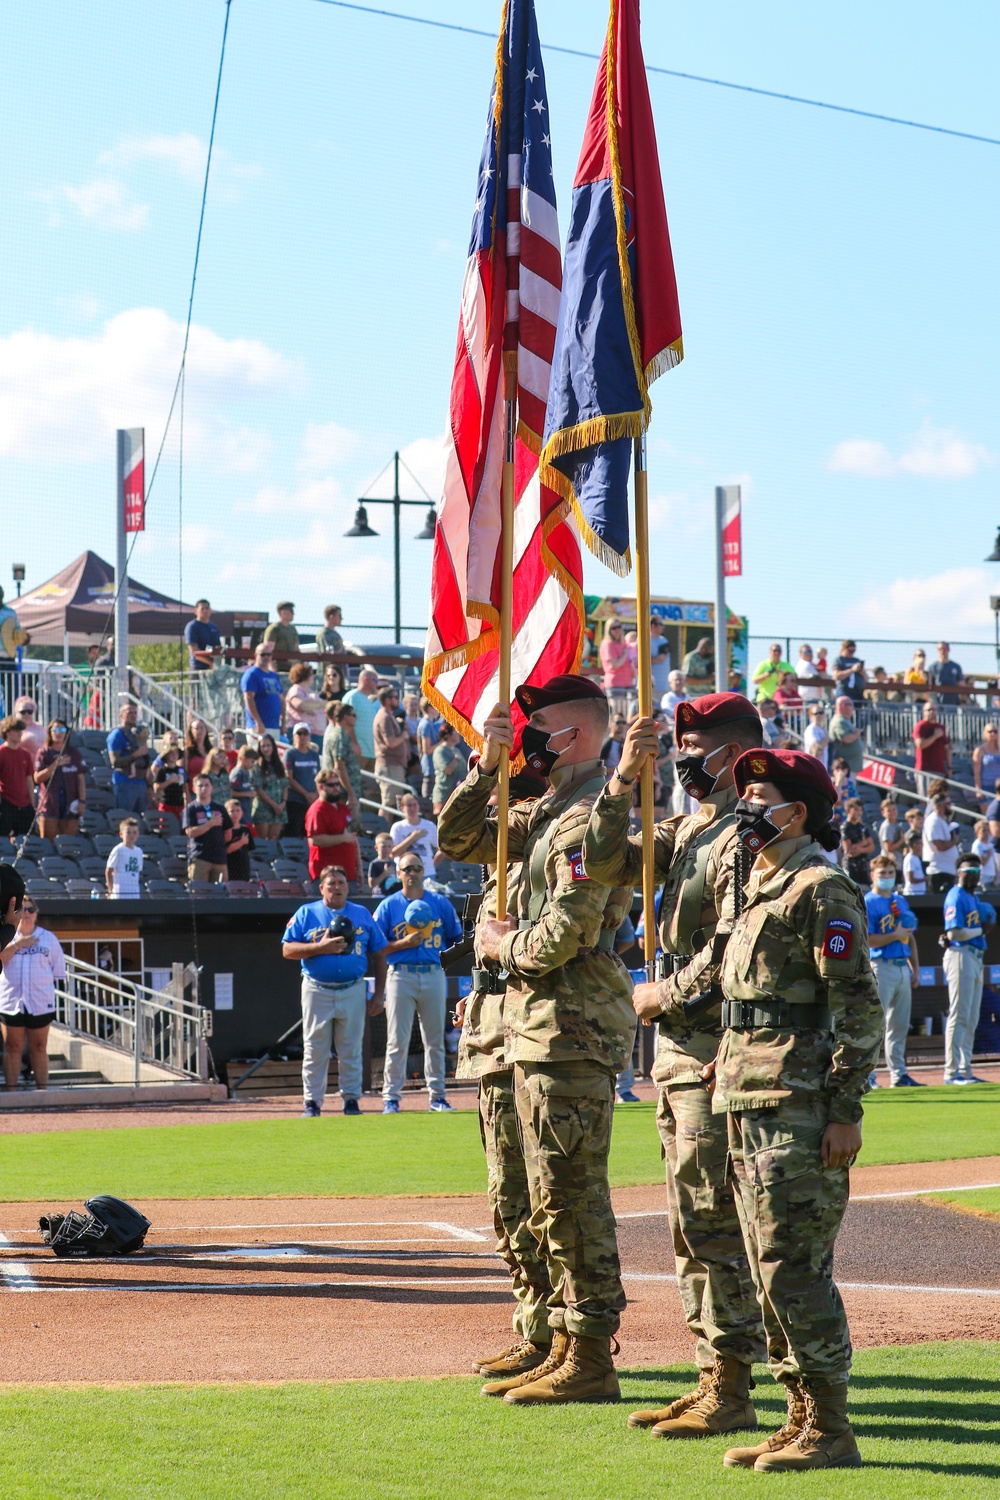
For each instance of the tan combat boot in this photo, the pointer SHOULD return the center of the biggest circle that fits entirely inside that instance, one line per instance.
(521, 1357)
(724, 1406)
(586, 1374)
(745, 1458)
(667, 1413)
(552, 1361)
(825, 1442)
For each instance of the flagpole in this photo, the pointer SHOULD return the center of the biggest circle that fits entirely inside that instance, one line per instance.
(506, 614)
(645, 703)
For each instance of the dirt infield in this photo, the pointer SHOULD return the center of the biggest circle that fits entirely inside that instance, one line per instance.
(281, 1289)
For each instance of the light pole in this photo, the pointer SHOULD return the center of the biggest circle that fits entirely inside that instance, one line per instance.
(425, 534)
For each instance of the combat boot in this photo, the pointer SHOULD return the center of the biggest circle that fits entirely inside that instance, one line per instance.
(825, 1442)
(668, 1413)
(552, 1361)
(724, 1406)
(745, 1458)
(586, 1374)
(521, 1357)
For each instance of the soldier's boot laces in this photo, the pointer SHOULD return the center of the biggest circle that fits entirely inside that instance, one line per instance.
(557, 1353)
(825, 1442)
(676, 1408)
(586, 1374)
(724, 1405)
(745, 1458)
(521, 1357)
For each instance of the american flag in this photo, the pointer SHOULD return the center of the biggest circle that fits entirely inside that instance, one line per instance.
(510, 307)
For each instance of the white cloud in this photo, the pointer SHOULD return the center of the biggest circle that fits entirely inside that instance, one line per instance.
(425, 459)
(105, 202)
(62, 398)
(932, 453)
(956, 600)
(326, 445)
(677, 514)
(316, 497)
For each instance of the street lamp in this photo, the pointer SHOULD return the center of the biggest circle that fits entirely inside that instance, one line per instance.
(17, 573)
(362, 528)
(995, 554)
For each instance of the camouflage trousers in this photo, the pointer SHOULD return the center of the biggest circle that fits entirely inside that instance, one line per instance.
(510, 1202)
(564, 1111)
(790, 1209)
(713, 1275)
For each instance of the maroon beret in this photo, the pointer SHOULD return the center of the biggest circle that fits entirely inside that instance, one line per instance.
(711, 710)
(568, 687)
(784, 765)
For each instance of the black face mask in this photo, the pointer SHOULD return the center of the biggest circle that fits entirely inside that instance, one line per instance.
(535, 744)
(754, 828)
(691, 773)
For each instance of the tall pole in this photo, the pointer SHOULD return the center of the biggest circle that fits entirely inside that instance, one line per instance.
(121, 565)
(721, 640)
(395, 543)
(645, 703)
(506, 614)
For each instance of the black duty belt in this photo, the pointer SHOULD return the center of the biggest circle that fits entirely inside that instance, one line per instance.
(775, 1015)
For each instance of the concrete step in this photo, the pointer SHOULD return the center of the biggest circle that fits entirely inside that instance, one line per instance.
(77, 1096)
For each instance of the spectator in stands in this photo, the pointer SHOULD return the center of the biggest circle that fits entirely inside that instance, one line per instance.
(123, 870)
(301, 767)
(659, 650)
(31, 962)
(767, 674)
(848, 672)
(775, 734)
(843, 781)
(933, 756)
(60, 775)
(392, 747)
(17, 782)
(197, 748)
(985, 763)
(611, 750)
(428, 734)
(383, 878)
(282, 634)
(341, 753)
(262, 695)
(916, 673)
(616, 665)
(677, 693)
(334, 683)
(363, 699)
(940, 845)
(984, 846)
(12, 635)
(128, 750)
(699, 668)
(241, 780)
(107, 656)
(328, 637)
(449, 767)
(805, 670)
(788, 694)
(893, 953)
(334, 993)
(946, 673)
(302, 704)
(891, 833)
(170, 783)
(966, 918)
(240, 843)
(816, 736)
(416, 981)
(914, 818)
(216, 768)
(269, 810)
(330, 830)
(206, 825)
(204, 642)
(856, 843)
(33, 736)
(411, 715)
(227, 741)
(845, 736)
(993, 813)
(914, 879)
(414, 834)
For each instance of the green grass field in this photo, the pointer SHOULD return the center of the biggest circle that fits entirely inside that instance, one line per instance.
(979, 1201)
(412, 1153)
(923, 1416)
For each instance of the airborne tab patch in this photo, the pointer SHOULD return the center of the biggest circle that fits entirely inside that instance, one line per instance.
(839, 938)
(576, 865)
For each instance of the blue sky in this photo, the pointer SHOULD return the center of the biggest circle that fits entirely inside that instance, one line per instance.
(836, 275)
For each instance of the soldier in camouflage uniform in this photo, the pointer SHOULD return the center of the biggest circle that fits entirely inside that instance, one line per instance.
(694, 861)
(804, 1025)
(568, 1023)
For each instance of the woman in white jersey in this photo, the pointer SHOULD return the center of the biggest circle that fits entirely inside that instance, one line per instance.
(32, 962)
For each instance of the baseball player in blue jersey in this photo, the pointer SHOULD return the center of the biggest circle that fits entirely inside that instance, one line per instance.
(966, 915)
(890, 922)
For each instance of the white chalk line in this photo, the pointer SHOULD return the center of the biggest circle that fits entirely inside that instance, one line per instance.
(15, 1273)
(923, 1192)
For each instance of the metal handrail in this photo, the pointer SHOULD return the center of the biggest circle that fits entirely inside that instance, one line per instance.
(166, 1031)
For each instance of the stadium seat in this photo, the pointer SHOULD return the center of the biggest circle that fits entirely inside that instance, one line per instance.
(243, 888)
(93, 821)
(100, 776)
(178, 843)
(266, 850)
(84, 888)
(153, 847)
(284, 888)
(174, 868)
(290, 869)
(54, 867)
(34, 847)
(28, 869)
(294, 849)
(92, 739)
(100, 799)
(213, 889)
(105, 842)
(93, 866)
(37, 887)
(73, 845)
(169, 890)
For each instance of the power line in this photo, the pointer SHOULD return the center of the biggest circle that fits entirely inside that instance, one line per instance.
(719, 83)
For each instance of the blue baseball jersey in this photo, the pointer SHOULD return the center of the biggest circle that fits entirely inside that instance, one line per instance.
(444, 930)
(309, 924)
(965, 909)
(882, 918)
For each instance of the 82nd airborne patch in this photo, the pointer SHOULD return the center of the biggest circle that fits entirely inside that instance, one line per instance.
(839, 938)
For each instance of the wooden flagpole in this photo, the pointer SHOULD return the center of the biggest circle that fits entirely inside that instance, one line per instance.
(645, 703)
(506, 615)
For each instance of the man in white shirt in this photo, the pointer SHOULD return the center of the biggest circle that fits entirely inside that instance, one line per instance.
(816, 736)
(124, 866)
(659, 651)
(676, 695)
(416, 833)
(805, 668)
(940, 846)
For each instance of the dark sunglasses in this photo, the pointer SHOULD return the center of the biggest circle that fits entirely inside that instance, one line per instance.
(411, 869)
(27, 908)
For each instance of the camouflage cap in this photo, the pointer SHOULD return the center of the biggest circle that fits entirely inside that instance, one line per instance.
(568, 687)
(711, 710)
(783, 765)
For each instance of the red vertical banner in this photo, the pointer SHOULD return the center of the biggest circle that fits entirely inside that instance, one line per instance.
(133, 497)
(732, 536)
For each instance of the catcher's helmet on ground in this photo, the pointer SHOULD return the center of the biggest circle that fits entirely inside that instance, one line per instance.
(109, 1227)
